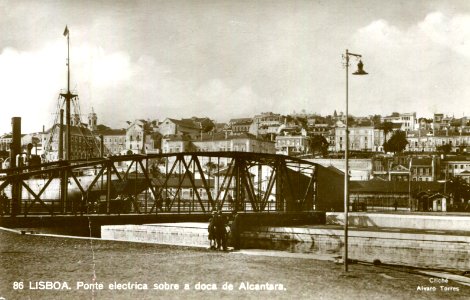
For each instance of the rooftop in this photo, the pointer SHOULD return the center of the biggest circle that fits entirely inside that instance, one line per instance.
(376, 186)
(111, 132)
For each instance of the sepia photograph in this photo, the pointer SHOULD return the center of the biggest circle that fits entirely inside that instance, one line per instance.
(228, 149)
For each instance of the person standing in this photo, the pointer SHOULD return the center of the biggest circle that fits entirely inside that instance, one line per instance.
(221, 232)
(235, 231)
(167, 203)
(211, 230)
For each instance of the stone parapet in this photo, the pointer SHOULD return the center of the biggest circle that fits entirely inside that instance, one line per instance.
(411, 221)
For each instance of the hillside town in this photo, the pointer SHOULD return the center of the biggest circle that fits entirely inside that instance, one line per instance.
(298, 134)
(394, 158)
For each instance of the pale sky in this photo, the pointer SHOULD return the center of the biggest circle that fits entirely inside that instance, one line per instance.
(230, 59)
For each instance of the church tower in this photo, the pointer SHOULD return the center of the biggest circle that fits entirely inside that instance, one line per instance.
(92, 120)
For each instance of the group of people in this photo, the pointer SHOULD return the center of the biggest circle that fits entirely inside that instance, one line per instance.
(159, 204)
(219, 231)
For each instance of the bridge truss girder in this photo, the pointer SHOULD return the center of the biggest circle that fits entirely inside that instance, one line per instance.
(171, 182)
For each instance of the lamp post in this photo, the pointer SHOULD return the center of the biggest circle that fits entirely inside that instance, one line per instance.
(359, 71)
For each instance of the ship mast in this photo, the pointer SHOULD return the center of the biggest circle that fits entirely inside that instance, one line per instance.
(68, 97)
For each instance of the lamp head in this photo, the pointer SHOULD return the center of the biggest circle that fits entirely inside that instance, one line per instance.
(360, 70)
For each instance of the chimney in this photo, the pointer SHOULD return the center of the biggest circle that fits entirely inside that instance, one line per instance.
(15, 147)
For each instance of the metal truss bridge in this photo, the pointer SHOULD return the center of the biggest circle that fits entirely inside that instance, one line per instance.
(176, 183)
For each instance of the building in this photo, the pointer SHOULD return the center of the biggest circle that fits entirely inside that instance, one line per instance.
(180, 188)
(364, 138)
(399, 173)
(192, 127)
(424, 168)
(430, 143)
(141, 137)
(408, 121)
(319, 129)
(454, 165)
(265, 123)
(267, 119)
(292, 144)
(242, 142)
(218, 142)
(176, 144)
(359, 169)
(377, 195)
(114, 141)
(465, 175)
(391, 168)
(31, 138)
(5, 141)
(83, 143)
(239, 125)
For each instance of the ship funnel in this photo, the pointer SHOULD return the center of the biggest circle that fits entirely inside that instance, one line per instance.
(15, 148)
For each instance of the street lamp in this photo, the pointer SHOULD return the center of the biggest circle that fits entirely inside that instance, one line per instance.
(360, 71)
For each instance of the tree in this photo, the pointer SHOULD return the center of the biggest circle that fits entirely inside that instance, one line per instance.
(318, 143)
(386, 127)
(459, 189)
(302, 122)
(102, 127)
(157, 139)
(155, 167)
(207, 125)
(351, 121)
(376, 119)
(397, 143)
(446, 148)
